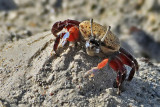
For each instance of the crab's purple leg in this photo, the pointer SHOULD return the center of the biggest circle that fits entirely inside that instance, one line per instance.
(74, 22)
(129, 60)
(130, 63)
(117, 65)
(57, 41)
(122, 50)
(57, 27)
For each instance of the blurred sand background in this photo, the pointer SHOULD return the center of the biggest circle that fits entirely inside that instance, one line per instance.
(59, 81)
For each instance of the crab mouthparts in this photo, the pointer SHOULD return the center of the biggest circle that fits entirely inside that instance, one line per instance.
(97, 50)
(87, 44)
(64, 39)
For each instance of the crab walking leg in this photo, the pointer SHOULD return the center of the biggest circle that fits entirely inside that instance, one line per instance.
(117, 65)
(126, 60)
(94, 70)
(56, 42)
(122, 50)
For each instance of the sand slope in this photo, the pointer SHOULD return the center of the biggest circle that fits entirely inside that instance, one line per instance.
(30, 76)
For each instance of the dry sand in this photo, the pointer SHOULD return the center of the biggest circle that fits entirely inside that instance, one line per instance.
(30, 76)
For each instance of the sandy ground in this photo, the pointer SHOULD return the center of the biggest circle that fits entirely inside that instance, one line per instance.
(31, 77)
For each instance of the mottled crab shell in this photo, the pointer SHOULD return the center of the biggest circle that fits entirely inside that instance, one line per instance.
(111, 41)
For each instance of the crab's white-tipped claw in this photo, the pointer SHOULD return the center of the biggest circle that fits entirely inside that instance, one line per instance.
(91, 22)
(87, 44)
(64, 39)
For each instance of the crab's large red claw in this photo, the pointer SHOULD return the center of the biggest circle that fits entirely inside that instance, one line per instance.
(72, 35)
(58, 26)
(71, 32)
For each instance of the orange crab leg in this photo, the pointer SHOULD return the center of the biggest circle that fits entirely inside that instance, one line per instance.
(102, 64)
(94, 70)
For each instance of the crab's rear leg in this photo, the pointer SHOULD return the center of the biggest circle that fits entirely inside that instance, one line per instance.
(129, 60)
(130, 63)
(117, 65)
(122, 50)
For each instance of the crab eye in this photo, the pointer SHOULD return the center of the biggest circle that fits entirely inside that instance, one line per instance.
(93, 41)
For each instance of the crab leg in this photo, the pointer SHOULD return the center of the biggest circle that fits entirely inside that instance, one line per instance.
(122, 50)
(57, 41)
(129, 60)
(116, 64)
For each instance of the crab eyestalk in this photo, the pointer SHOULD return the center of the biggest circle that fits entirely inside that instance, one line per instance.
(91, 22)
(102, 40)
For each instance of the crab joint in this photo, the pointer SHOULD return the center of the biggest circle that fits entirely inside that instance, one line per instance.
(106, 34)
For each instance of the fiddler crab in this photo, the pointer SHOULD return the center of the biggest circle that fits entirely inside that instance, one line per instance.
(99, 41)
